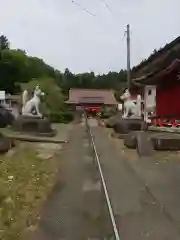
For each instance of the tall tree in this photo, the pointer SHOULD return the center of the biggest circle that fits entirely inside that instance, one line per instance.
(4, 43)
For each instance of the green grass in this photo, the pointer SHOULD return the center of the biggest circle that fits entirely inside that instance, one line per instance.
(25, 181)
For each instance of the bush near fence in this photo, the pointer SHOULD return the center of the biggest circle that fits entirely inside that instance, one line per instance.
(61, 117)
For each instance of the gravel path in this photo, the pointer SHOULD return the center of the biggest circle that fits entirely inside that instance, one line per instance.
(139, 214)
(76, 208)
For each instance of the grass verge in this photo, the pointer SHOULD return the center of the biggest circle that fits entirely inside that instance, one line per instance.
(25, 181)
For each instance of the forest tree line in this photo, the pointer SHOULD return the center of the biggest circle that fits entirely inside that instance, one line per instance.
(17, 68)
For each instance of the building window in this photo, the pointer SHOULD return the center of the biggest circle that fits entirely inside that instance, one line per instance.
(150, 92)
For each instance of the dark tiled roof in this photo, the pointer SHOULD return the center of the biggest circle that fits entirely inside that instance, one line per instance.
(163, 62)
(159, 74)
(91, 96)
(158, 54)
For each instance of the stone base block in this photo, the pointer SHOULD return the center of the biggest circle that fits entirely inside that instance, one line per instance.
(130, 140)
(144, 144)
(33, 125)
(166, 142)
(139, 140)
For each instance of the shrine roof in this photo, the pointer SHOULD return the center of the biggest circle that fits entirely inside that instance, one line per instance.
(157, 75)
(158, 61)
(157, 54)
(91, 96)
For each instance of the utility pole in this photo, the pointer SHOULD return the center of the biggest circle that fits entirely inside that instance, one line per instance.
(0, 45)
(0, 49)
(128, 58)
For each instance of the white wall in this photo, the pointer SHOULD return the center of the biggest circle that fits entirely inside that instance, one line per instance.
(149, 100)
(150, 96)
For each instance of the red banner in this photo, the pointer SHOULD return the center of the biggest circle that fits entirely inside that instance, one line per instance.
(92, 108)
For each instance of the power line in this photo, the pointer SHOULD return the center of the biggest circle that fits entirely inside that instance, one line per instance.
(84, 9)
(93, 14)
(106, 5)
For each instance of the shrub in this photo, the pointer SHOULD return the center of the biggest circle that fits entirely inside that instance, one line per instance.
(61, 117)
(69, 116)
(53, 101)
(105, 115)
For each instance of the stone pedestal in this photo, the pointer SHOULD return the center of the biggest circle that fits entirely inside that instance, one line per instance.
(126, 125)
(33, 125)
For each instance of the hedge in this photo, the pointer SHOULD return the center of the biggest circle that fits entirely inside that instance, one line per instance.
(61, 117)
(105, 115)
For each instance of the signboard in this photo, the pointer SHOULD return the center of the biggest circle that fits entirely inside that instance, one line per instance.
(149, 101)
(150, 97)
(120, 107)
(2, 95)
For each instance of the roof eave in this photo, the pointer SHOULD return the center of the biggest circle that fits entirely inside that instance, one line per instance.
(154, 76)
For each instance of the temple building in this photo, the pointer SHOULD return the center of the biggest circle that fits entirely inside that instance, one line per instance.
(158, 78)
(91, 99)
(10, 102)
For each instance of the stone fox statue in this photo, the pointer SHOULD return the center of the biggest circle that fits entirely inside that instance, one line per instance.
(129, 106)
(33, 103)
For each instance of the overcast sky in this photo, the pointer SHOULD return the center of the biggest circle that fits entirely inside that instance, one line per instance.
(66, 36)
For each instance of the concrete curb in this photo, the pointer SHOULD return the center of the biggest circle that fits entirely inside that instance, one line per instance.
(35, 139)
